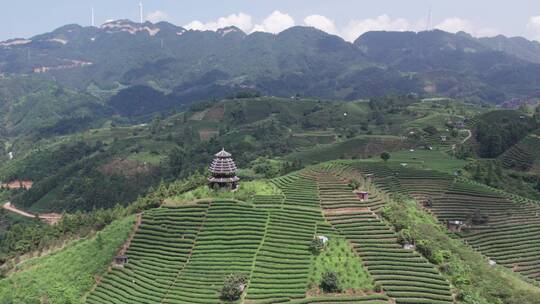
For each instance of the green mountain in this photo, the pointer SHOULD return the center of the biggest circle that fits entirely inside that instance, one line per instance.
(75, 77)
(194, 65)
(517, 46)
(361, 179)
(300, 160)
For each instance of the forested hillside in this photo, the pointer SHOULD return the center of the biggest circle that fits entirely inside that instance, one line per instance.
(383, 171)
(194, 65)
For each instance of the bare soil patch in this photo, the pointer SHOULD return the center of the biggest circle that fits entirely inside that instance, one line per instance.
(207, 134)
(18, 184)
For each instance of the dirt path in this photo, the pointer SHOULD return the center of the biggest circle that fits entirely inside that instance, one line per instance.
(464, 140)
(468, 136)
(8, 206)
(134, 230)
(340, 211)
(49, 218)
(121, 251)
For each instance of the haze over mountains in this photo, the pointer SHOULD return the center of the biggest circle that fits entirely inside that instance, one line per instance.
(151, 68)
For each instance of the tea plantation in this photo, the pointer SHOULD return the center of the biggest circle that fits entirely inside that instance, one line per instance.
(183, 254)
(506, 231)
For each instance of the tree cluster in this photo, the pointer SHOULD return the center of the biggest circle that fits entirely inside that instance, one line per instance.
(330, 282)
(233, 287)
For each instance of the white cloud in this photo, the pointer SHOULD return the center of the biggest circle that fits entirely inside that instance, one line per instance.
(157, 16)
(455, 24)
(355, 28)
(196, 25)
(275, 23)
(534, 26)
(278, 21)
(322, 23)
(240, 20)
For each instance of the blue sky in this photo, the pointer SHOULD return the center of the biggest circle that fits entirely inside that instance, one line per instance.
(347, 18)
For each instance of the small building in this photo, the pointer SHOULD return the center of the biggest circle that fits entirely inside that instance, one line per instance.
(362, 195)
(443, 137)
(492, 263)
(121, 260)
(455, 225)
(369, 176)
(223, 170)
(460, 124)
(408, 246)
(322, 238)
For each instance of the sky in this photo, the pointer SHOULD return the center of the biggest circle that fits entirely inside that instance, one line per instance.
(346, 18)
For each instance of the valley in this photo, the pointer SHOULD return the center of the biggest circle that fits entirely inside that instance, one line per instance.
(145, 162)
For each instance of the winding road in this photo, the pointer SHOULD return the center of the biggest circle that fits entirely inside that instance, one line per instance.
(50, 218)
(468, 136)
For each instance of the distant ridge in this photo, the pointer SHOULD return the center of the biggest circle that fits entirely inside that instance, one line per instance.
(299, 60)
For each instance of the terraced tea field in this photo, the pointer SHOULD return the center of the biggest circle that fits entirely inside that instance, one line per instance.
(422, 184)
(368, 299)
(183, 254)
(154, 261)
(524, 156)
(382, 176)
(404, 274)
(282, 264)
(227, 243)
(511, 235)
(463, 199)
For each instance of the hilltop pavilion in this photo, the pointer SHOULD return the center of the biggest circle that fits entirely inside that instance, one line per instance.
(223, 171)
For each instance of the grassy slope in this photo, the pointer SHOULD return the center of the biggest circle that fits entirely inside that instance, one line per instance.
(359, 147)
(64, 277)
(339, 257)
(428, 159)
(245, 192)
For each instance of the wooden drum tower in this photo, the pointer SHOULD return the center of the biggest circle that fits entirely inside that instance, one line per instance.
(223, 171)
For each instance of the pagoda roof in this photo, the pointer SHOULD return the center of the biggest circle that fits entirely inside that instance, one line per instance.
(223, 164)
(223, 154)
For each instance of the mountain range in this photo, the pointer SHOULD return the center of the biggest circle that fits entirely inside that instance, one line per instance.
(130, 69)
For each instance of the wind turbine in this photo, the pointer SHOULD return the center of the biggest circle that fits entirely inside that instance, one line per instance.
(141, 12)
(429, 23)
(93, 18)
